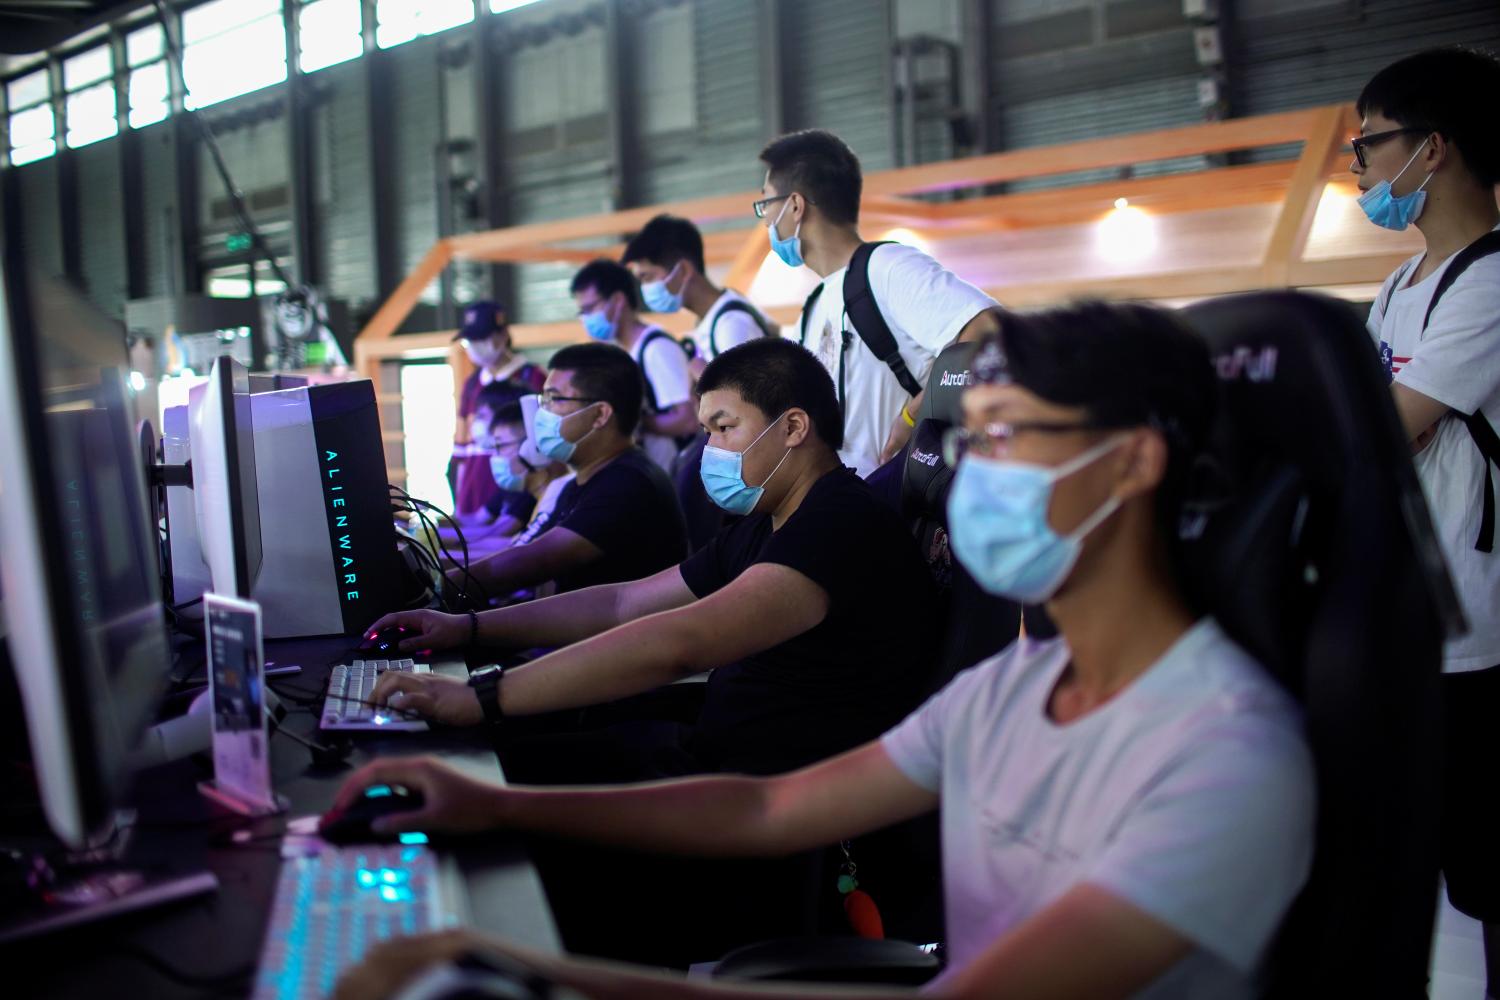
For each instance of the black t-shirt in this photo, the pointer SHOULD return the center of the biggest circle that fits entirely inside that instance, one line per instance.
(630, 511)
(511, 503)
(853, 675)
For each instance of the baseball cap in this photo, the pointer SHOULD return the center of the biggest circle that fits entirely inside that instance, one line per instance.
(480, 319)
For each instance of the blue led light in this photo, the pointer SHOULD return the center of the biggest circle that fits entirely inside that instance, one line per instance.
(391, 876)
(366, 878)
(412, 838)
(377, 791)
(411, 853)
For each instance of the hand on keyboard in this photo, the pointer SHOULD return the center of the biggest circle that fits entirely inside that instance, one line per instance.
(425, 630)
(510, 970)
(443, 699)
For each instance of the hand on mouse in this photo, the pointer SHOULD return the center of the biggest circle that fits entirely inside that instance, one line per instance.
(443, 699)
(452, 802)
(425, 630)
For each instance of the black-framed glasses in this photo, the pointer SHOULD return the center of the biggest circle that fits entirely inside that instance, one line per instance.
(1361, 143)
(993, 440)
(496, 445)
(761, 206)
(548, 398)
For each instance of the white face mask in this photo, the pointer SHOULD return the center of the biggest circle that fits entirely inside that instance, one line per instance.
(484, 353)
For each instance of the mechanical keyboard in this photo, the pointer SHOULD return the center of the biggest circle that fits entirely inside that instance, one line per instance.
(348, 703)
(333, 905)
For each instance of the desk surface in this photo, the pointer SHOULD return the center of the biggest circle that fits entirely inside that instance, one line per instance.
(178, 830)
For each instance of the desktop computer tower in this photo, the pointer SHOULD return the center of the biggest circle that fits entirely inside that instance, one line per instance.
(329, 560)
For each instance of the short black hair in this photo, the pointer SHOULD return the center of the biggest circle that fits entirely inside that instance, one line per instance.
(606, 277)
(666, 240)
(1125, 365)
(1450, 91)
(607, 373)
(509, 415)
(774, 375)
(499, 394)
(818, 165)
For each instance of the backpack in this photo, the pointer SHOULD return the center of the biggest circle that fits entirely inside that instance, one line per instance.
(864, 311)
(733, 305)
(1483, 435)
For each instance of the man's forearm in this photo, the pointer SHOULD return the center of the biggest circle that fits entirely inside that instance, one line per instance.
(553, 621)
(623, 661)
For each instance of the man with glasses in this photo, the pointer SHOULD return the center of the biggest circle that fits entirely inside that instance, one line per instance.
(619, 518)
(1429, 156)
(811, 209)
(1127, 810)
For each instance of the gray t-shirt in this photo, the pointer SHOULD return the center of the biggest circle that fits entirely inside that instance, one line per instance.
(1189, 795)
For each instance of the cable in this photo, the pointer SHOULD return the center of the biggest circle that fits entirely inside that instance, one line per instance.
(205, 132)
(418, 507)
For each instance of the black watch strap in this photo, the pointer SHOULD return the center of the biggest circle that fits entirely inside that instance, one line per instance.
(486, 685)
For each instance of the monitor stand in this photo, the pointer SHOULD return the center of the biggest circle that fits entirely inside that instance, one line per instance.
(42, 891)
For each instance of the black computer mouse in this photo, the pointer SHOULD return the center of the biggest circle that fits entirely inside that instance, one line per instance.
(387, 640)
(352, 825)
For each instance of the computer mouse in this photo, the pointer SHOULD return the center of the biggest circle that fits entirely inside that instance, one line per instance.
(352, 824)
(387, 640)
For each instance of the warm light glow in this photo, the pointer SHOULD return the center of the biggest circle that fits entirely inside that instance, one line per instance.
(1126, 234)
(137, 382)
(906, 236)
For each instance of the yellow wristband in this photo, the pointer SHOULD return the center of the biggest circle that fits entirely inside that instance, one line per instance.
(906, 415)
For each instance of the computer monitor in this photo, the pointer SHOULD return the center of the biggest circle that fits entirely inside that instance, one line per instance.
(225, 497)
(87, 636)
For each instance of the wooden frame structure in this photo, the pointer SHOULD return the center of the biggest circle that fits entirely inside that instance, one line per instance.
(1265, 211)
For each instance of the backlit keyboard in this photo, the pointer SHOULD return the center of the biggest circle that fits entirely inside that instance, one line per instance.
(349, 689)
(334, 905)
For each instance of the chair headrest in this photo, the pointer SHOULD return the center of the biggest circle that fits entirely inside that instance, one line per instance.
(1306, 464)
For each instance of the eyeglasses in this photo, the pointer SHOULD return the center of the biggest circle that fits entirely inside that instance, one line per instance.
(548, 398)
(1362, 143)
(993, 440)
(761, 206)
(507, 444)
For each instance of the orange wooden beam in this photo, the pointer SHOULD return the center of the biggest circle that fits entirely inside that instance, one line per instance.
(393, 312)
(1305, 190)
(747, 261)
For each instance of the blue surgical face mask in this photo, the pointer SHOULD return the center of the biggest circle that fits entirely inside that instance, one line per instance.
(598, 324)
(549, 436)
(1387, 210)
(997, 524)
(658, 297)
(723, 474)
(505, 477)
(789, 249)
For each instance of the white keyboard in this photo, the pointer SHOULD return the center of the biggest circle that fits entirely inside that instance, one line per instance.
(349, 689)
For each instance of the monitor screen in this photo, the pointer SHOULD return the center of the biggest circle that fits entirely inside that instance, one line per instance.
(86, 629)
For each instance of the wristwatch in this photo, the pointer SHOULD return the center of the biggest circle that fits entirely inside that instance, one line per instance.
(486, 684)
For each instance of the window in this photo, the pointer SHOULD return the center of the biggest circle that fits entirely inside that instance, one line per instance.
(33, 127)
(427, 422)
(398, 21)
(149, 91)
(232, 47)
(90, 106)
(329, 32)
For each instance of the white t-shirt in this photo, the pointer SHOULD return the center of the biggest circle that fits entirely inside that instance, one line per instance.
(1457, 363)
(1190, 795)
(736, 327)
(541, 515)
(666, 366)
(925, 305)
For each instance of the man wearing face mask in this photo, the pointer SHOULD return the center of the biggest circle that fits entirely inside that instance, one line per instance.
(1429, 156)
(485, 334)
(667, 257)
(609, 303)
(618, 519)
(1126, 810)
(811, 208)
(792, 607)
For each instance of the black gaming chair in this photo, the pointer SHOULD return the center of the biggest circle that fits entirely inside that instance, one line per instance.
(1313, 547)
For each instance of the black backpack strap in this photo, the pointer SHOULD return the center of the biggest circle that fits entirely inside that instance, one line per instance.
(734, 305)
(807, 307)
(1480, 430)
(1487, 244)
(652, 334)
(864, 311)
(1385, 300)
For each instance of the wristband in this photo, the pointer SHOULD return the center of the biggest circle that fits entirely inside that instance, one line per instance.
(486, 685)
(906, 415)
